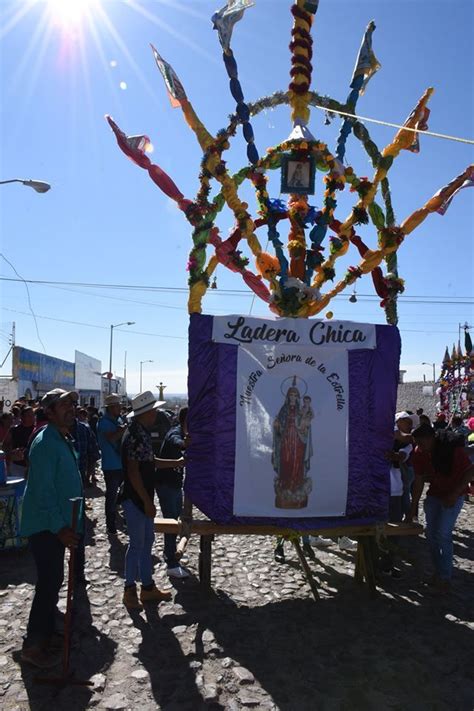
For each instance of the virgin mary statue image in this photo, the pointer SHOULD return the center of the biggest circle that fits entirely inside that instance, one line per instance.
(292, 451)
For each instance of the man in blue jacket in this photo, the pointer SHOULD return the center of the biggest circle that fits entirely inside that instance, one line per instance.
(110, 430)
(53, 480)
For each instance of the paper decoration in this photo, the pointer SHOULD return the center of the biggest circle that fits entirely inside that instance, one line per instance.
(467, 183)
(174, 87)
(367, 63)
(225, 19)
(297, 275)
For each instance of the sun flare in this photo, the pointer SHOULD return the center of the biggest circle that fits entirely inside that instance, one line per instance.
(70, 13)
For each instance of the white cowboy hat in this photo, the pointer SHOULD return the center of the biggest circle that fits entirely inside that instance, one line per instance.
(144, 403)
(112, 399)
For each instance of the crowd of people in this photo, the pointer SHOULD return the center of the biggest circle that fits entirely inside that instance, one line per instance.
(60, 448)
(439, 454)
(56, 445)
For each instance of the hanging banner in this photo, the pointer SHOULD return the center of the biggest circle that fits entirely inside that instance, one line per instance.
(288, 427)
(250, 331)
(291, 453)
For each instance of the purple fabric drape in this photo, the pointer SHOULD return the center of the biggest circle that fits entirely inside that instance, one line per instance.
(373, 378)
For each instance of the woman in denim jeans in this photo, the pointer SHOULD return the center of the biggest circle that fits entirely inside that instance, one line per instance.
(440, 461)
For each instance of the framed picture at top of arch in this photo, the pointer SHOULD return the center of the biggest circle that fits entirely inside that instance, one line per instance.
(290, 419)
(297, 175)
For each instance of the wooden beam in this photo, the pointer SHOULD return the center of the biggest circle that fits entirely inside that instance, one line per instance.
(207, 528)
(306, 569)
(205, 562)
(185, 530)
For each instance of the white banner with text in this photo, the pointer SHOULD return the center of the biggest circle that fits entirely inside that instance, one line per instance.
(248, 331)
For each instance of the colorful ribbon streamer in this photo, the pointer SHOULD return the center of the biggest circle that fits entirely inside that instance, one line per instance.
(294, 281)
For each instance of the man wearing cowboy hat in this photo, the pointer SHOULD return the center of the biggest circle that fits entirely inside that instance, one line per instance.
(110, 431)
(139, 464)
(53, 480)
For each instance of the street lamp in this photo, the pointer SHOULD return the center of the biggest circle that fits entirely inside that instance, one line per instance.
(39, 185)
(433, 365)
(112, 326)
(141, 363)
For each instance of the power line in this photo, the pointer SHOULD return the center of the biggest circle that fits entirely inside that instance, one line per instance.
(20, 278)
(395, 125)
(180, 338)
(121, 298)
(95, 325)
(413, 298)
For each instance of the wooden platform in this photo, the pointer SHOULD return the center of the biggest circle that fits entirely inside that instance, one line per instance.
(367, 538)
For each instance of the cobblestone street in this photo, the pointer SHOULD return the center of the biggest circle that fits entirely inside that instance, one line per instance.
(259, 640)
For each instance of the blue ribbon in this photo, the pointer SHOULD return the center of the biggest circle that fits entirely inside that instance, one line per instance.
(242, 109)
(346, 127)
(274, 238)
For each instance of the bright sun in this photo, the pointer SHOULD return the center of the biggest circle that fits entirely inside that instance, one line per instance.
(69, 13)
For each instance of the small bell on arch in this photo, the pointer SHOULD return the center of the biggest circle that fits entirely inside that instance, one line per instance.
(214, 283)
(353, 297)
(327, 120)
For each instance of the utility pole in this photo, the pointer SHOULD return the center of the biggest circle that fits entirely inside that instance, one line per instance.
(12, 345)
(125, 373)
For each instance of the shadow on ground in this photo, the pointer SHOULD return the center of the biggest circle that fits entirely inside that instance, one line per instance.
(403, 649)
(91, 652)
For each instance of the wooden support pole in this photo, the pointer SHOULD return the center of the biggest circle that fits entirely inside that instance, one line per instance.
(369, 547)
(307, 570)
(205, 561)
(186, 524)
(359, 570)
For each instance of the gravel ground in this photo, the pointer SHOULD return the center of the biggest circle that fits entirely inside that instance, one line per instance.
(259, 640)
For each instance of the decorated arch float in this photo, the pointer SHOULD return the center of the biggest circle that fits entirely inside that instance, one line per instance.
(290, 416)
(456, 382)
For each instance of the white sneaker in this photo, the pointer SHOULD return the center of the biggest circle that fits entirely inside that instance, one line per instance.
(321, 542)
(347, 544)
(177, 572)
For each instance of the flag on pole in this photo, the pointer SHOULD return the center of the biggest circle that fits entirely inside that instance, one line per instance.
(174, 87)
(367, 63)
(468, 183)
(225, 19)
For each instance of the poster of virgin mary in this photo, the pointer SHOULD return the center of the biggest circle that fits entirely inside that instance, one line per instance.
(292, 447)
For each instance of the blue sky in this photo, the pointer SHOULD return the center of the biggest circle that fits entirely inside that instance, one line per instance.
(104, 221)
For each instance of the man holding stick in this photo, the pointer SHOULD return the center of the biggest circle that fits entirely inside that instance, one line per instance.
(53, 480)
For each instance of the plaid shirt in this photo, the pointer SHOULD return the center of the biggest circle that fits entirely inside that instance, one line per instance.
(85, 445)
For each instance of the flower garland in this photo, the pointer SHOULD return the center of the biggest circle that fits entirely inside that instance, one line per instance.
(294, 282)
(301, 48)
